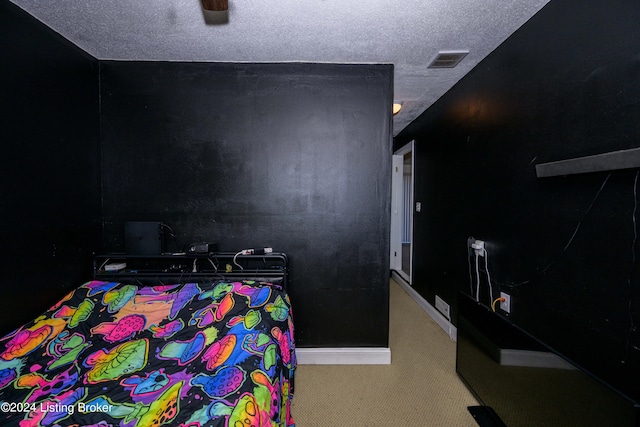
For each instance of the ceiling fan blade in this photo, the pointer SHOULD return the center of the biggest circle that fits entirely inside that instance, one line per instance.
(215, 5)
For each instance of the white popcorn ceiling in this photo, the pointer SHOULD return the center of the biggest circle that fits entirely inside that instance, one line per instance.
(408, 34)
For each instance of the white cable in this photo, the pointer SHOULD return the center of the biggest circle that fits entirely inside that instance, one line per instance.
(260, 251)
(470, 273)
(469, 263)
(486, 268)
(236, 256)
(103, 264)
(477, 280)
(194, 269)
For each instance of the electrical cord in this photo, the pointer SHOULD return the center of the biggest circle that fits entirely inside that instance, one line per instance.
(469, 240)
(573, 235)
(194, 268)
(101, 268)
(235, 262)
(486, 268)
(171, 233)
(493, 304)
(477, 279)
(479, 251)
(260, 251)
(483, 253)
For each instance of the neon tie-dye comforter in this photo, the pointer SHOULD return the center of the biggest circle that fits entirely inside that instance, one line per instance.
(114, 354)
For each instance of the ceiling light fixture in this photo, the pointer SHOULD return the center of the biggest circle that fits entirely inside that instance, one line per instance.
(397, 106)
(215, 5)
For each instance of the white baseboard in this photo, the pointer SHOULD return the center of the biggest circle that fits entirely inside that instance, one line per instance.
(442, 321)
(344, 356)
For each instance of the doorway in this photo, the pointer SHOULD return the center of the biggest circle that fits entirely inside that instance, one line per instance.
(402, 212)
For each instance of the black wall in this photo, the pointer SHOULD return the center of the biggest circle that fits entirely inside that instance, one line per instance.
(50, 204)
(567, 84)
(291, 156)
(296, 157)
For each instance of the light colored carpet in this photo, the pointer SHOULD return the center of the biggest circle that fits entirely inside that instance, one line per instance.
(420, 387)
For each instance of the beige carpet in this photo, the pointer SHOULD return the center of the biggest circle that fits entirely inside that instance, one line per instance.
(420, 387)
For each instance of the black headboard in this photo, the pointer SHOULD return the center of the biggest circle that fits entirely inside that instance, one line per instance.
(271, 267)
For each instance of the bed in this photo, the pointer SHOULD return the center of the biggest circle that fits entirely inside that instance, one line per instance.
(155, 347)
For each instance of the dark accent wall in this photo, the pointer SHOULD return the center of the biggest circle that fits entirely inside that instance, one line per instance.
(50, 203)
(567, 84)
(296, 157)
(291, 156)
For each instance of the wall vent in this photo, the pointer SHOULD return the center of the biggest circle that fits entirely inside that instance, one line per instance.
(443, 307)
(448, 58)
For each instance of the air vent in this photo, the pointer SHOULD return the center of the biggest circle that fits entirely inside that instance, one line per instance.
(448, 59)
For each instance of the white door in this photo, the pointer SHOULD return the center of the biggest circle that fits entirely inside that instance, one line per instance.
(402, 212)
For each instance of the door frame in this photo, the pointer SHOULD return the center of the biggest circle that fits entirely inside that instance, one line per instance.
(397, 212)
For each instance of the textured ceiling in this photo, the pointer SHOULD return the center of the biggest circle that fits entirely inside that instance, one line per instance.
(408, 34)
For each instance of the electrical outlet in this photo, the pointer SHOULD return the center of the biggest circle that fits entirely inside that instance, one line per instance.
(506, 304)
(478, 247)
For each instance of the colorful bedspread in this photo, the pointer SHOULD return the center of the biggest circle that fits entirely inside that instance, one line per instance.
(115, 354)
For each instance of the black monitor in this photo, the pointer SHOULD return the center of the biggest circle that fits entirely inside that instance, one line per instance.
(521, 382)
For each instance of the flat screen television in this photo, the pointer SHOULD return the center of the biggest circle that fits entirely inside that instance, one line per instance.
(521, 382)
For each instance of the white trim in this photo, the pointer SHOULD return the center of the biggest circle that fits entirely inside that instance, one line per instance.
(398, 206)
(405, 149)
(404, 275)
(396, 222)
(442, 321)
(344, 356)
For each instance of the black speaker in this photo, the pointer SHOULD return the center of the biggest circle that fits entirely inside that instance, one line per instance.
(144, 238)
